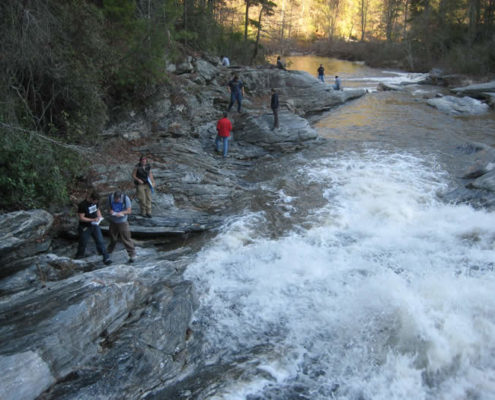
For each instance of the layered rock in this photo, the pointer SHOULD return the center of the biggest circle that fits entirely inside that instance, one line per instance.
(22, 234)
(51, 334)
(479, 90)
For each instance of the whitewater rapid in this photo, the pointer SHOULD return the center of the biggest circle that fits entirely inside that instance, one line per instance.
(384, 292)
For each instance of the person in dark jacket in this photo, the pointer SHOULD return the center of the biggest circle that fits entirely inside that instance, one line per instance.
(89, 225)
(321, 73)
(236, 89)
(280, 64)
(274, 106)
(144, 181)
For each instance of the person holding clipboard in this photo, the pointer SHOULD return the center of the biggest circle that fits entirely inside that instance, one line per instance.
(145, 183)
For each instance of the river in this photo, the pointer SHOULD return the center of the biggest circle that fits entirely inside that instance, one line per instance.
(345, 274)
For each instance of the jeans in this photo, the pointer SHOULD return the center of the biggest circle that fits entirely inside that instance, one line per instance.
(95, 232)
(321, 78)
(225, 140)
(233, 98)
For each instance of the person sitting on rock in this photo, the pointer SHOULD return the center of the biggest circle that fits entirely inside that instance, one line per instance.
(338, 83)
(225, 61)
(89, 224)
(224, 127)
(280, 64)
(236, 89)
(119, 210)
(144, 181)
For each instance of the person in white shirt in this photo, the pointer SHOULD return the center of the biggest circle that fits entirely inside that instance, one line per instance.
(225, 61)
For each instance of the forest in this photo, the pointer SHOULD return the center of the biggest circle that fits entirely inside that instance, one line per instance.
(70, 67)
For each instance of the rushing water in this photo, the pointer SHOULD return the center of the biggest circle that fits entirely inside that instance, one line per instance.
(345, 276)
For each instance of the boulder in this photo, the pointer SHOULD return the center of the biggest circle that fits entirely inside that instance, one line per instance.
(22, 234)
(185, 66)
(294, 132)
(486, 182)
(459, 105)
(308, 94)
(24, 376)
(382, 87)
(478, 90)
(206, 70)
(439, 78)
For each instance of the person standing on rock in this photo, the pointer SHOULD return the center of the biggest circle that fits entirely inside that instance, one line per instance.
(274, 106)
(89, 225)
(144, 181)
(224, 127)
(119, 210)
(236, 89)
(321, 73)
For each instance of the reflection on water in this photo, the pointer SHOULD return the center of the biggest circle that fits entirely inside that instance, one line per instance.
(353, 74)
(403, 118)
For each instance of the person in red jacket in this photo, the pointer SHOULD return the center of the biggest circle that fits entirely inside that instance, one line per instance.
(224, 126)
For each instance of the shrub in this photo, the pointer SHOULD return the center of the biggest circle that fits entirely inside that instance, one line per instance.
(33, 171)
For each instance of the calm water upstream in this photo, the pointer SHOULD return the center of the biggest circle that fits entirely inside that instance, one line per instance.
(345, 275)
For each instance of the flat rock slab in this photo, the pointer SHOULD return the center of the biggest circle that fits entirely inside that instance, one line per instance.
(176, 225)
(478, 90)
(293, 132)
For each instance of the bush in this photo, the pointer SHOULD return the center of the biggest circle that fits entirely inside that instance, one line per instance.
(33, 171)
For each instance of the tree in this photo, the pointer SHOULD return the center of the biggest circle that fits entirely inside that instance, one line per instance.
(267, 8)
(391, 10)
(363, 13)
(249, 4)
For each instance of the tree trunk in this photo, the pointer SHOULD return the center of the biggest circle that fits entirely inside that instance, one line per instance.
(255, 52)
(246, 19)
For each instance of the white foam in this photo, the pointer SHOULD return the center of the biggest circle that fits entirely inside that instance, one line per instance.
(391, 292)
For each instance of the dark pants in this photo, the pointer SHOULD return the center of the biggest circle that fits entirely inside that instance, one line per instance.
(84, 233)
(121, 231)
(233, 98)
(275, 117)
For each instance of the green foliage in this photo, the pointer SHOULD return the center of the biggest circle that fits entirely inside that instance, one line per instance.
(33, 172)
(137, 43)
(68, 65)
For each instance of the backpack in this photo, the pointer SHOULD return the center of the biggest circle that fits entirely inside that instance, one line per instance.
(117, 206)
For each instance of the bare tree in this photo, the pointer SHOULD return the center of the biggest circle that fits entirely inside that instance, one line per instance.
(363, 14)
